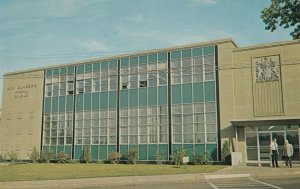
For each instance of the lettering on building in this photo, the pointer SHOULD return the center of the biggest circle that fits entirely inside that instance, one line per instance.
(21, 91)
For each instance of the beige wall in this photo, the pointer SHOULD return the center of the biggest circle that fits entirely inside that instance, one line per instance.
(241, 97)
(20, 128)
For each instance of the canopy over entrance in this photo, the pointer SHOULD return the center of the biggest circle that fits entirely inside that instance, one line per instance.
(266, 121)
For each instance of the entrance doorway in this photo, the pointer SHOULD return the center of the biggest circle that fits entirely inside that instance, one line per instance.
(265, 138)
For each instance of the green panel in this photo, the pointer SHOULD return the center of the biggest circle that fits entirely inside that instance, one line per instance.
(186, 53)
(87, 101)
(54, 104)
(212, 149)
(62, 71)
(197, 51)
(175, 55)
(133, 98)
(68, 150)
(104, 65)
(111, 148)
(96, 66)
(187, 93)
(53, 149)
(71, 70)
(103, 152)
(162, 95)
(189, 149)
(134, 60)
(162, 57)
(113, 64)
(152, 149)
(124, 62)
(123, 99)
(62, 103)
(176, 94)
(152, 58)
(152, 96)
(175, 147)
(143, 97)
(199, 148)
(79, 102)
(55, 72)
(163, 149)
(208, 50)
(103, 100)
(209, 90)
(78, 152)
(95, 101)
(123, 152)
(198, 92)
(46, 148)
(112, 99)
(69, 105)
(60, 149)
(88, 67)
(143, 152)
(94, 152)
(80, 68)
(143, 59)
(47, 107)
(48, 73)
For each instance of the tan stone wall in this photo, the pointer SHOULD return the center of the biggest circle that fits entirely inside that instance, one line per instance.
(20, 129)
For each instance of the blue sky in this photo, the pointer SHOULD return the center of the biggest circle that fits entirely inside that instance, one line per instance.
(36, 33)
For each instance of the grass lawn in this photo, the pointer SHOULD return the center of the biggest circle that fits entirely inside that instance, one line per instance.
(18, 172)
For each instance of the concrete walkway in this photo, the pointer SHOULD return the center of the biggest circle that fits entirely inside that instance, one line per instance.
(230, 172)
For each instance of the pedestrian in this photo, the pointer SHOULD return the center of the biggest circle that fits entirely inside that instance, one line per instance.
(288, 153)
(274, 153)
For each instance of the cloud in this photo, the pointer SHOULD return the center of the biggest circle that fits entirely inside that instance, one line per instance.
(136, 18)
(96, 45)
(203, 2)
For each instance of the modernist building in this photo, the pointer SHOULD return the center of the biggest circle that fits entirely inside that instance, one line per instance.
(193, 97)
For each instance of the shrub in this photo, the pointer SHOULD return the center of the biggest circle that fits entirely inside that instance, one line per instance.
(132, 155)
(13, 156)
(62, 157)
(87, 156)
(226, 153)
(3, 157)
(47, 156)
(34, 156)
(203, 159)
(158, 158)
(177, 157)
(113, 157)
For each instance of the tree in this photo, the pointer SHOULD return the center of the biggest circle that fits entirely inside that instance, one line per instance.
(34, 156)
(284, 13)
(87, 156)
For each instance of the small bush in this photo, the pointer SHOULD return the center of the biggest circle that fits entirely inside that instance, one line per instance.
(62, 157)
(34, 156)
(47, 156)
(203, 159)
(13, 156)
(132, 155)
(87, 156)
(177, 157)
(3, 157)
(113, 157)
(226, 153)
(158, 158)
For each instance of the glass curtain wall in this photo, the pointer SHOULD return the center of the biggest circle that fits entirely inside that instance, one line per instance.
(194, 114)
(143, 106)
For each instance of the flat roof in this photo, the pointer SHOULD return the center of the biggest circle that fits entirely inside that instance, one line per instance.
(266, 121)
(214, 42)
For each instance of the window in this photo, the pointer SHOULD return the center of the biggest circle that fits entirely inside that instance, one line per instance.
(143, 84)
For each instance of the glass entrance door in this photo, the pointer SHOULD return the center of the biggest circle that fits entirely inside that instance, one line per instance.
(265, 139)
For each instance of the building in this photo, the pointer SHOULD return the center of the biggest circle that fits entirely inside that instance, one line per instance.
(194, 97)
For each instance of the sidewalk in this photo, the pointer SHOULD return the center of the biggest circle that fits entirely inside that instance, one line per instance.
(230, 172)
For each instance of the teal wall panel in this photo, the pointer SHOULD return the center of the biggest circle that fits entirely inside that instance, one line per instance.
(143, 97)
(47, 107)
(176, 94)
(212, 149)
(143, 152)
(209, 88)
(197, 51)
(78, 152)
(95, 101)
(186, 53)
(62, 103)
(103, 152)
(87, 102)
(112, 99)
(123, 98)
(123, 152)
(79, 102)
(189, 148)
(199, 148)
(198, 92)
(53, 149)
(163, 149)
(175, 147)
(103, 100)
(133, 98)
(187, 93)
(60, 149)
(152, 149)
(54, 104)
(94, 152)
(111, 148)
(68, 150)
(152, 96)
(162, 95)
(208, 50)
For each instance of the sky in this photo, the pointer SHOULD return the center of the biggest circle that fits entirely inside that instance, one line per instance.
(38, 33)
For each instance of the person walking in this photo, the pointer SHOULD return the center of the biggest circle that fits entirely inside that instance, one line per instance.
(288, 153)
(274, 153)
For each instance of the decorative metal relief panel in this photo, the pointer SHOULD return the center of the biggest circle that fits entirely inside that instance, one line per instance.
(267, 68)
